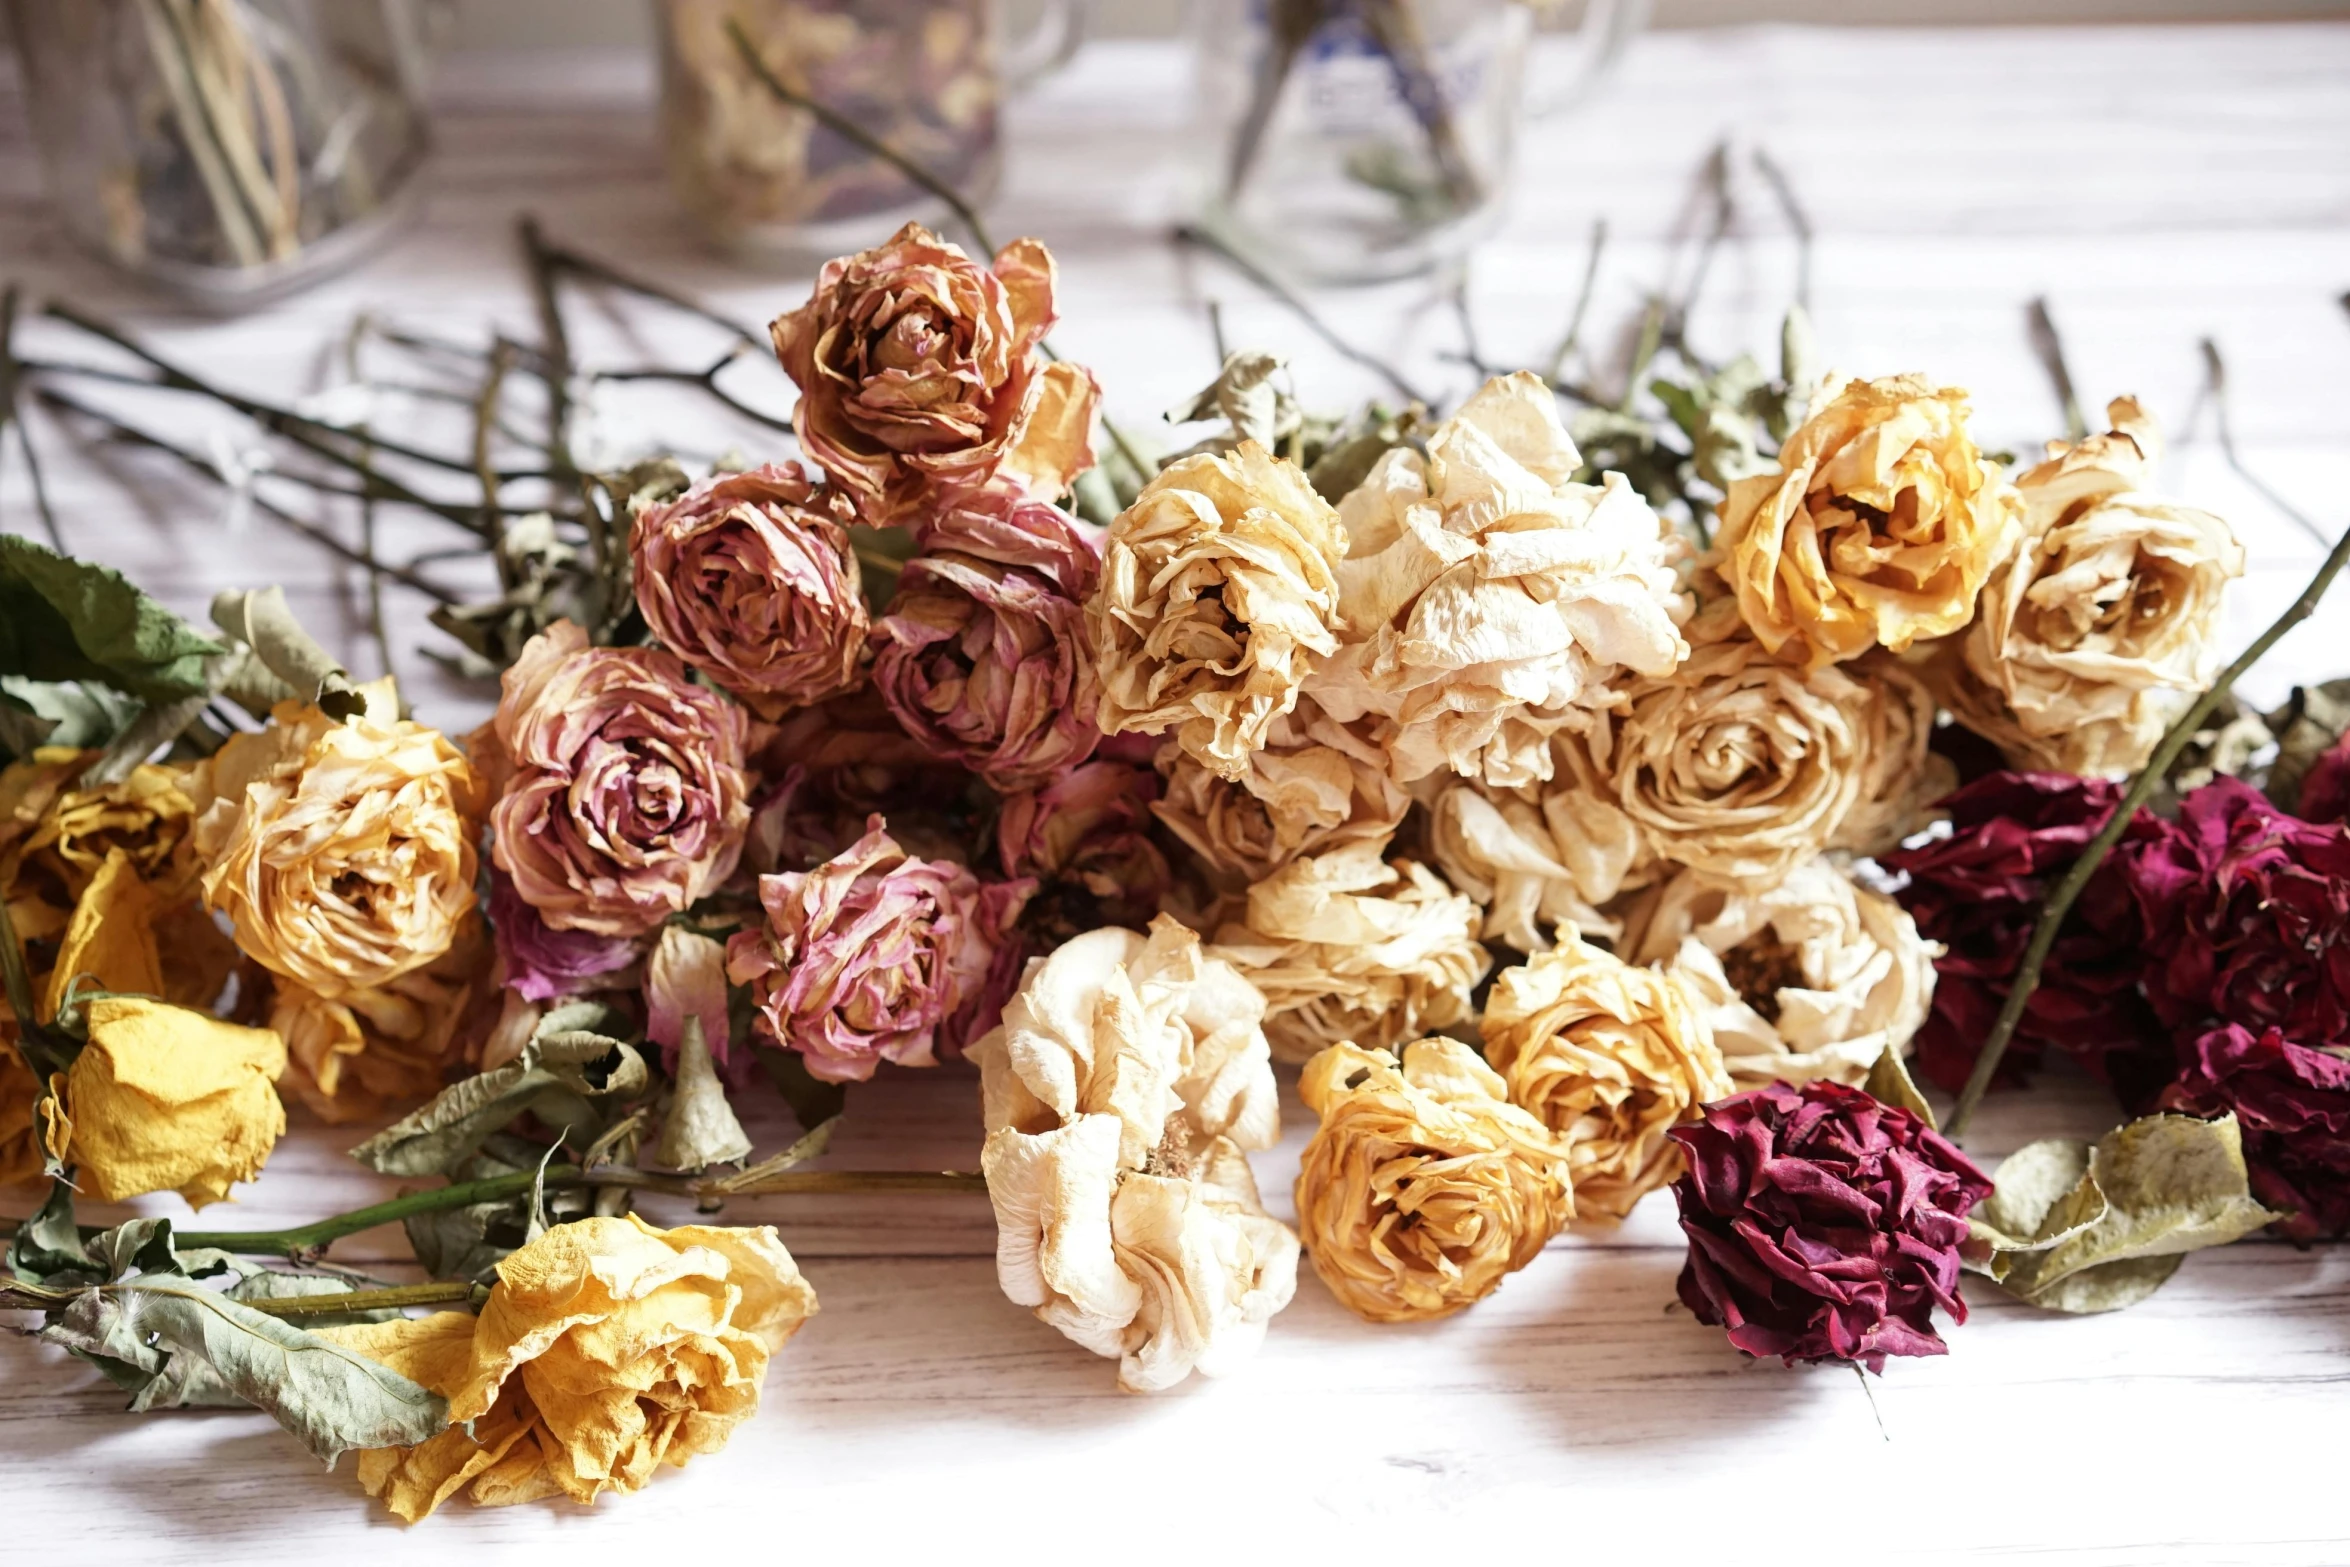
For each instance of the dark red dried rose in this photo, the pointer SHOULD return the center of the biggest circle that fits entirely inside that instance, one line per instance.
(1979, 891)
(2247, 916)
(2293, 1103)
(2325, 788)
(1823, 1224)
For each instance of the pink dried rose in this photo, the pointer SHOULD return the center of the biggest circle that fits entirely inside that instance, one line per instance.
(541, 962)
(1979, 892)
(834, 765)
(922, 376)
(987, 665)
(686, 979)
(1012, 529)
(2293, 1103)
(1087, 837)
(877, 956)
(1823, 1224)
(749, 578)
(625, 795)
(2247, 913)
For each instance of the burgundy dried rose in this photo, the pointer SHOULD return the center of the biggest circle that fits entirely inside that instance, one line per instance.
(2293, 1103)
(1823, 1224)
(987, 665)
(2247, 911)
(541, 962)
(1087, 837)
(749, 578)
(922, 376)
(877, 956)
(624, 799)
(1014, 530)
(1979, 891)
(2325, 788)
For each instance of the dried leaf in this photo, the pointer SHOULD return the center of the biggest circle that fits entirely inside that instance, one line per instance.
(260, 618)
(564, 1078)
(1244, 397)
(701, 1129)
(65, 619)
(1889, 1082)
(34, 713)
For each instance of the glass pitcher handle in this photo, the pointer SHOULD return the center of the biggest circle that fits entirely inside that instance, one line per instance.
(1608, 25)
(1049, 44)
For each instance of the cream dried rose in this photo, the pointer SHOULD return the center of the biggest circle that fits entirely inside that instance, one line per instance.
(1878, 527)
(1314, 785)
(1490, 601)
(1611, 1058)
(1218, 586)
(1814, 977)
(1121, 1091)
(1423, 1187)
(2102, 628)
(1350, 948)
(1901, 777)
(1538, 856)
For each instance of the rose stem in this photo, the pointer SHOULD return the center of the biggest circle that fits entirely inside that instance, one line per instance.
(1459, 291)
(2061, 897)
(377, 631)
(307, 1239)
(555, 363)
(1797, 219)
(1574, 334)
(1715, 183)
(707, 380)
(2048, 343)
(451, 1292)
(2215, 372)
(1192, 234)
(203, 465)
(8, 406)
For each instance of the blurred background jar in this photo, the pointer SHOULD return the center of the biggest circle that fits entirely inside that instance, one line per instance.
(928, 78)
(232, 150)
(1358, 140)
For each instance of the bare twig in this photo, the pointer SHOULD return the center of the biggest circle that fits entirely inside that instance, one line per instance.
(604, 272)
(1798, 219)
(1216, 333)
(555, 366)
(2215, 386)
(1459, 293)
(9, 411)
(1206, 240)
(2048, 344)
(1715, 182)
(707, 380)
(1574, 333)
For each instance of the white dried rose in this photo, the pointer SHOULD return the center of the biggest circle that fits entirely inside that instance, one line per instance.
(1901, 777)
(1120, 1092)
(1537, 857)
(1813, 977)
(1489, 601)
(1315, 784)
(2101, 630)
(1347, 947)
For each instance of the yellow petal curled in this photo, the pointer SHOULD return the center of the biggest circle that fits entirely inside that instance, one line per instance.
(165, 1099)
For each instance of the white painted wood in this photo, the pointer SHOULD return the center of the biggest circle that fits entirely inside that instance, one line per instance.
(2156, 185)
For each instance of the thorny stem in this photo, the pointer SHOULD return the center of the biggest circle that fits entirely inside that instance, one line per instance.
(850, 131)
(2048, 343)
(1191, 234)
(2062, 896)
(9, 410)
(2215, 370)
(1574, 333)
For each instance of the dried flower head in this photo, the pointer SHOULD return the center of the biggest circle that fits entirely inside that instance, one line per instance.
(164, 1099)
(1314, 785)
(1539, 856)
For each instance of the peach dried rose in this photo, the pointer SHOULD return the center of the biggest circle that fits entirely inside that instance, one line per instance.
(1315, 784)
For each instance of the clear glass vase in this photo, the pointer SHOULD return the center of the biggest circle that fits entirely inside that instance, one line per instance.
(1358, 140)
(232, 150)
(927, 78)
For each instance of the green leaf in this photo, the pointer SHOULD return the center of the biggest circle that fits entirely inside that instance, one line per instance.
(64, 619)
(332, 1399)
(2078, 1229)
(34, 713)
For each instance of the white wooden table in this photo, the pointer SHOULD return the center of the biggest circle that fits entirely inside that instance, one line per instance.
(2157, 186)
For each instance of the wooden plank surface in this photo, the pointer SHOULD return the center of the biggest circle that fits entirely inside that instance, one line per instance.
(2157, 185)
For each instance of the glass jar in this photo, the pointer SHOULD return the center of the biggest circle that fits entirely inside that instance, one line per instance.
(925, 77)
(1358, 140)
(232, 150)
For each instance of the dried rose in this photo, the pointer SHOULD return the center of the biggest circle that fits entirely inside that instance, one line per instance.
(1490, 601)
(922, 376)
(1611, 1058)
(838, 763)
(1423, 1187)
(1902, 779)
(877, 956)
(1086, 838)
(1218, 586)
(1349, 948)
(20, 1097)
(1315, 784)
(1012, 530)
(685, 981)
(987, 666)
(750, 579)
(1823, 1225)
(2293, 1103)
(1815, 977)
(165, 1099)
(359, 1054)
(1120, 1093)
(342, 851)
(626, 802)
(2325, 788)
(2247, 914)
(1538, 857)
(541, 962)
(1979, 891)
(1878, 527)
(607, 1349)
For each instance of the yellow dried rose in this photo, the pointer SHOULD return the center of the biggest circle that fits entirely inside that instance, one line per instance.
(2102, 629)
(1813, 977)
(20, 1095)
(1878, 527)
(1349, 948)
(164, 1099)
(362, 1053)
(1538, 856)
(1217, 589)
(1424, 1186)
(110, 941)
(343, 852)
(1489, 600)
(1315, 784)
(1611, 1058)
(607, 1349)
